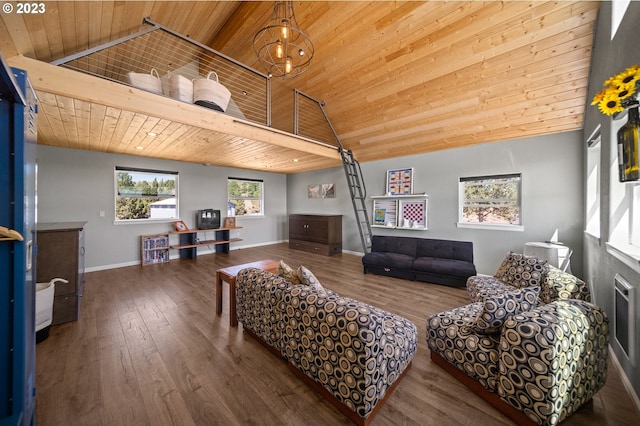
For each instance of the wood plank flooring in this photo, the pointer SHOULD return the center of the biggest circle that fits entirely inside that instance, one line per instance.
(148, 349)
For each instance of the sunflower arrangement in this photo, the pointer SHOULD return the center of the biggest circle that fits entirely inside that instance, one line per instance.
(620, 91)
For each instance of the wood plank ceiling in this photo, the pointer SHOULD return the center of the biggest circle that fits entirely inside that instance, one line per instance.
(398, 78)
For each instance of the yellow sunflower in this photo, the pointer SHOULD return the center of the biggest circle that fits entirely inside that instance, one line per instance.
(610, 104)
(598, 98)
(627, 79)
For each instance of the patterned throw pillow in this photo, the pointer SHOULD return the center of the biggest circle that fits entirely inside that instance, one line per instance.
(288, 273)
(498, 309)
(520, 271)
(307, 278)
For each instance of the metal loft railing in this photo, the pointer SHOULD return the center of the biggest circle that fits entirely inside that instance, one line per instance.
(166, 51)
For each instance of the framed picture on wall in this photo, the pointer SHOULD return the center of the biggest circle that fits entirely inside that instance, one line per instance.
(400, 182)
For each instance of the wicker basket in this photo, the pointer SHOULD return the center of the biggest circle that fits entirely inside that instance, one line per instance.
(180, 87)
(210, 93)
(149, 82)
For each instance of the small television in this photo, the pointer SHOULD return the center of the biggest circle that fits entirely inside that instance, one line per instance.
(208, 219)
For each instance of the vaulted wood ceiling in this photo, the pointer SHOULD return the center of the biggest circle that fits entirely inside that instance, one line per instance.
(397, 78)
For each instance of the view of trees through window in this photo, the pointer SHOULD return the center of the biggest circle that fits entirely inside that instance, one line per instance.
(145, 195)
(491, 200)
(244, 197)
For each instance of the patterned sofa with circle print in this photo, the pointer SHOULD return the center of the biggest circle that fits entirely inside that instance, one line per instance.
(350, 352)
(530, 343)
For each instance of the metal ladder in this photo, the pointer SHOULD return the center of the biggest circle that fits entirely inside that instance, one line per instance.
(355, 182)
(352, 169)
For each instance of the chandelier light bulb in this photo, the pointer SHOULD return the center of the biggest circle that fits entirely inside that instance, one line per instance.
(279, 50)
(288, 65)
(285, 29)
(301, 52)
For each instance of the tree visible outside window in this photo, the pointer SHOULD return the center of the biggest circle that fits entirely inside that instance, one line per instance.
(245, 197)
(491, 200)
(142, 195)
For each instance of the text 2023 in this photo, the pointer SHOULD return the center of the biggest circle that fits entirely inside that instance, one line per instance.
(31, 8)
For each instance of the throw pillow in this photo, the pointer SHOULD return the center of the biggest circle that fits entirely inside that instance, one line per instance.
(498, 309)
(520, 271)
(307, 278)
(288, 273)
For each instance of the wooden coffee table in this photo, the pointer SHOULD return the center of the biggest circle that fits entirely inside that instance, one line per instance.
(228, 275)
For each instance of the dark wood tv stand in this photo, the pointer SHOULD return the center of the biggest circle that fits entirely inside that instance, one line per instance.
(189, 241)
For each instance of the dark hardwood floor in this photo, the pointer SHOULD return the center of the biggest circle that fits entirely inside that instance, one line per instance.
(148, 349)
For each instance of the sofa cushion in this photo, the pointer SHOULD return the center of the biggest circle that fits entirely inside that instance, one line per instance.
(399, 245)
(445, 249)
(497, 309)
(450, 334)
(482, 287)
(559, 285)
(519, 271)
(287, 272)
(457, 268)
(307, 278)
(387, 259)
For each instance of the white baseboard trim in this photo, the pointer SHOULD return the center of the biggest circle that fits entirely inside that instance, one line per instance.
(202, 251)
(625, 380)
(112, 266)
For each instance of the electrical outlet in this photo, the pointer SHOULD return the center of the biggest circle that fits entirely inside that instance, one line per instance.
(101, 213)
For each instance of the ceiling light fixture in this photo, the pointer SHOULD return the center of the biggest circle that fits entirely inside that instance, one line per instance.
(282, 47)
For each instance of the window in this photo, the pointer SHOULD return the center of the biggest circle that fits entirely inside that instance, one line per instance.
(245, 197)
(490, 201)
(145, 195)
(592, 226)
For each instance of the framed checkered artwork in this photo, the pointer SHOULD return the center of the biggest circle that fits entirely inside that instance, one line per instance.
(413, 214)
(400, 182)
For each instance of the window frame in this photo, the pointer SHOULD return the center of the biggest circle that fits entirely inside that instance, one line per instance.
(489, 225)
(230, 197)
(594, 173)
(151, 172)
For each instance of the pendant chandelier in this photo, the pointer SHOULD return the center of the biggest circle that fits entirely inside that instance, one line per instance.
(282, 47)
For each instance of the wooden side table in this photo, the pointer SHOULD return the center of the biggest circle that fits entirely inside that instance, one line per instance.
(228, 275)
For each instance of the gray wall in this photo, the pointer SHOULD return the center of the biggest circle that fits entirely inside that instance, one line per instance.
(76, 185)
(552, 199)
(609, 58)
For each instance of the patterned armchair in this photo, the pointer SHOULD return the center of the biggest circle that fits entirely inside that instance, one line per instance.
(531, 337)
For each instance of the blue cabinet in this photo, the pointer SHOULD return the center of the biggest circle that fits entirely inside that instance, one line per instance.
(18, 120)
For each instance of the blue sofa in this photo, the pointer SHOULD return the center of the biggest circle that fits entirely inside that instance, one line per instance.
(435, 261)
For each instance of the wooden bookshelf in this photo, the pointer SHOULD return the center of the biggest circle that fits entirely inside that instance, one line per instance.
(154, 249)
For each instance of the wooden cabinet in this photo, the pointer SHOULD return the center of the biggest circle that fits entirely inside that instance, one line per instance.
(189, 241)
(316, 233)
(61, 255)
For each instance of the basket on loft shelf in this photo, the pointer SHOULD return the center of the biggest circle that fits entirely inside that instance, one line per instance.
(210, 93)
(149, 82)
(621, 93)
